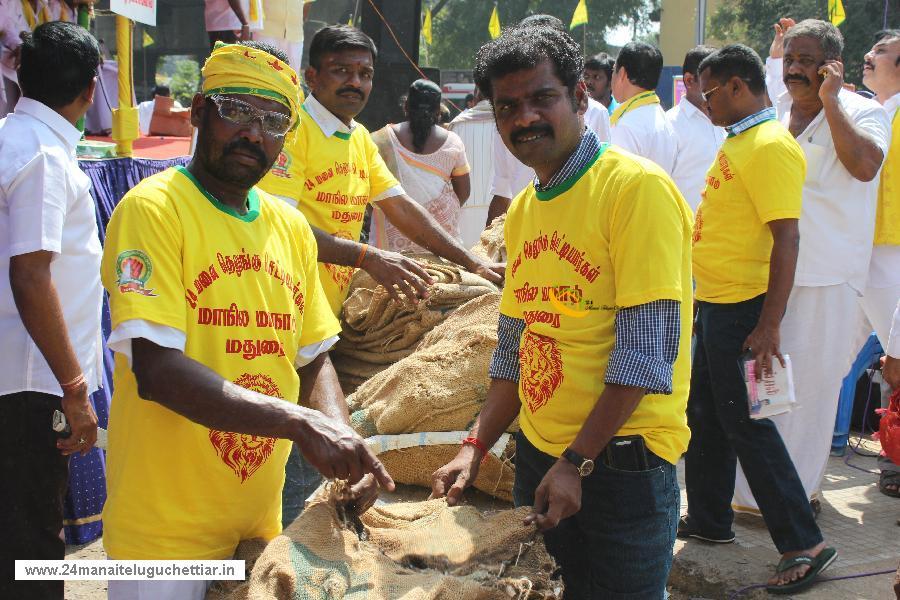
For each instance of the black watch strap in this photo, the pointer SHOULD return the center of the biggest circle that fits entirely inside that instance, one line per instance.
(584, 465)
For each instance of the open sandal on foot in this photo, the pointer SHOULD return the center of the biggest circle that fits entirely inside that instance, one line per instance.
(686, 531)
(889, 483)
(816, 564)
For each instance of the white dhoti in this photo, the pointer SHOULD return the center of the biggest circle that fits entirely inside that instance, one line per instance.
(880, 297)
(817, 332)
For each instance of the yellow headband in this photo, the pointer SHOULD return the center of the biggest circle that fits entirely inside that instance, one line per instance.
(236, 69)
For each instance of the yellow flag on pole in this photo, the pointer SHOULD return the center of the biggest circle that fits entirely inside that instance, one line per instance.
(580, 16)
(426, 26)
(494, 25)
(146, 40)
(836, 12)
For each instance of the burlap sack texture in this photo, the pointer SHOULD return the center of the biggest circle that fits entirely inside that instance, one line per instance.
(441, 386)
(377, 332)
(410, 551)
(414, 466)
(491, 245)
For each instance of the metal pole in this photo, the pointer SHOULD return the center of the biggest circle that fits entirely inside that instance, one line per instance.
(701, 22)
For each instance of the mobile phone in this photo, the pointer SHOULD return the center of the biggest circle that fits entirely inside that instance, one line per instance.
(627, 453)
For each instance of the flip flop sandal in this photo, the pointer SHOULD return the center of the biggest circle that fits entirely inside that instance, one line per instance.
(889, 478)
(686, 531)
(816, 564)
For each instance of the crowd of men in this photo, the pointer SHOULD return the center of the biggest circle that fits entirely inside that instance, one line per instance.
(766, 198)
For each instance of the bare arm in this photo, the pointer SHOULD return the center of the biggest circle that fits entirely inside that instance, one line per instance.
(239, 11)
(462, 186)
(41, 313)
(390, 269)
(765, 339)
(855, 148)
(194, 391)
(500, 409)
(499, 205)
(414, 222)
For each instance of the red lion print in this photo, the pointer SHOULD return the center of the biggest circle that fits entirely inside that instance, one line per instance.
(541, 369)
(339, 273)
(245, 454)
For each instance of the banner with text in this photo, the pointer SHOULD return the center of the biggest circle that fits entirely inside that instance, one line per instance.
(142, 11)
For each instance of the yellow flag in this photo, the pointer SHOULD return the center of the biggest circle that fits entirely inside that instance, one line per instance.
(147, 40)
(426, 26)
(494, 25)
(580, 16)
(836, 12)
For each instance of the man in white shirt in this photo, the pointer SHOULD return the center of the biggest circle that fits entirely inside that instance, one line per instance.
(697, 139)
(475, 126)
(881, 74)
(598, 71)
(511, 176)
(50, 312)
(639, 124)
(845, 139)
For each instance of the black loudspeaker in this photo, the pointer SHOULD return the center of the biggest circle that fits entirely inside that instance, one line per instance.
(393, 70)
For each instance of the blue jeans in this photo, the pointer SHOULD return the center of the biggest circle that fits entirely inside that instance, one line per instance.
(722, 433)
(619, 545)
(300, 480)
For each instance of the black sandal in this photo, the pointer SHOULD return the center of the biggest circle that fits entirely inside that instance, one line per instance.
(889, 478)
(817, 564)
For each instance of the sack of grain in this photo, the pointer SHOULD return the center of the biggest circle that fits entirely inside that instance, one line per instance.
(378, 331)
(440, 387)
(409, 551)
(491, 245)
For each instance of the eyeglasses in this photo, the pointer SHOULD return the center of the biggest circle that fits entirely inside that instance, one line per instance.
(707, 94)
(236, 111)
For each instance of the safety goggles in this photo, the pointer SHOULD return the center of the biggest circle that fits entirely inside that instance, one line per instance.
(236, 111)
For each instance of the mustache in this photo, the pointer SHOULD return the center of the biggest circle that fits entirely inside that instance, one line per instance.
(799, 78)
(351, 90)
(247, 148)
(869, 64)
(529, 131)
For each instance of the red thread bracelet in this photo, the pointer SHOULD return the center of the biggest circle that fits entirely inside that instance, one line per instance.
(474, 441)
(362, 255)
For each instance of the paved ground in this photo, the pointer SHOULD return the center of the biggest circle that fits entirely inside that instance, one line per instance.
(862, 523)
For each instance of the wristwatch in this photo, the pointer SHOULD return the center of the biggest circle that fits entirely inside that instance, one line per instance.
(584, 465)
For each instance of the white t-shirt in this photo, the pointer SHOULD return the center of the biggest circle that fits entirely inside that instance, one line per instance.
(646, 132)
(697, 143)
(893, 347)
(838, 219)
(511, 176)
(45, 204)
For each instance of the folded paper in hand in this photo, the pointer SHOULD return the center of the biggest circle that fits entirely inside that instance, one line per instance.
(774, 393)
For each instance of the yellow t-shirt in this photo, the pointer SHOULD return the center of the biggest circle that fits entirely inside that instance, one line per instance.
(757, 177)
(245, 292)
(615, 235)
(332, 180)
(887, 216)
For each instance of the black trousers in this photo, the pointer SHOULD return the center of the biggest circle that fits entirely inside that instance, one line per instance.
(722, 433)
(33, 481)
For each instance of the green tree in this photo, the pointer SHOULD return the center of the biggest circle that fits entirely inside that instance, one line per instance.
(460, 27)
(185, 81)
(750, 22)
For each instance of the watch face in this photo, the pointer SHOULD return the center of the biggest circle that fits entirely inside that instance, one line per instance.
(586, 468)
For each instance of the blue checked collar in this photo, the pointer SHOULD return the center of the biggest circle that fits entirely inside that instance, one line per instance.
(766, 114)
(586, 150)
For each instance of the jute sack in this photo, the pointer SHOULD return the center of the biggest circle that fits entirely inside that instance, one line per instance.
(408, 551)
(441, 386)
(492, 245)
(377, 331)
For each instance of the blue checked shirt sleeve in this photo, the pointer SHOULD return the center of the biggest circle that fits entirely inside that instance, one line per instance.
(647, 338)
(505, 362)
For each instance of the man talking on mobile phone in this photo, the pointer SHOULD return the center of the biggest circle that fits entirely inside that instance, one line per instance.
(594, 331)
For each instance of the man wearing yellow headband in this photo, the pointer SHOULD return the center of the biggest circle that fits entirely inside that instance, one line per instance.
(332, 171)
(215, 301)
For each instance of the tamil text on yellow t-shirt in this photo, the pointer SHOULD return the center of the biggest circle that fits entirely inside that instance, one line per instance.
(616, 235)
(244, 292)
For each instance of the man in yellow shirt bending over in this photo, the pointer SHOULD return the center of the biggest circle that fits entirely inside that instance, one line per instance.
(332, 171)
(594, 331)
(215, 301)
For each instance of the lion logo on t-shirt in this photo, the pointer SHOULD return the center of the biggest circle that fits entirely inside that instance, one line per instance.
(242, 453)
(541, 369)
(341, 274)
